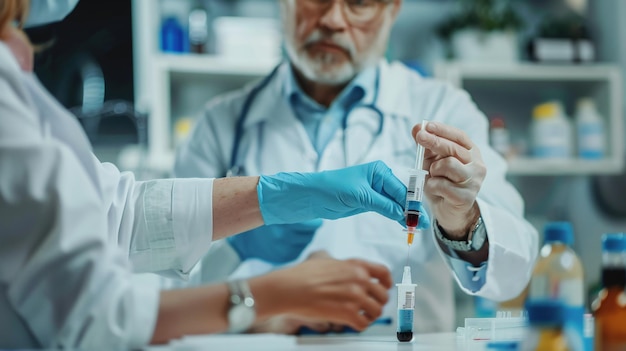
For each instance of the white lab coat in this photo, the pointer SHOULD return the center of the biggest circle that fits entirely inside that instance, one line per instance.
(274, 140)
(73, 230)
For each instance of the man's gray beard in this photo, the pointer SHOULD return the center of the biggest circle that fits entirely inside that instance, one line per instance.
(311, 67)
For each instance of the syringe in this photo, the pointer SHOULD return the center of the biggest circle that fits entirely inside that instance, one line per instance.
(415, 192)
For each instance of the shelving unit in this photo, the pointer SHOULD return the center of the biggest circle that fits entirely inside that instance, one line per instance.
(513, 90)
(171, 86)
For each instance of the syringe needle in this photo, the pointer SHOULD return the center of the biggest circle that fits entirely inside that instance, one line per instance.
(408, 251)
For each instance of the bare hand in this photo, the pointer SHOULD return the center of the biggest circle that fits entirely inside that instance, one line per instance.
(351, 292)
(457, 172)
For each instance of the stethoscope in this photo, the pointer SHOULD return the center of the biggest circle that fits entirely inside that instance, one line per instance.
(375, 129)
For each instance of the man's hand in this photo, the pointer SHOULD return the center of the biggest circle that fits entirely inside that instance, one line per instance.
(457, 172)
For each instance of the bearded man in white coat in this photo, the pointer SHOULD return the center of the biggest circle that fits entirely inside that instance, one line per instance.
(337, 102)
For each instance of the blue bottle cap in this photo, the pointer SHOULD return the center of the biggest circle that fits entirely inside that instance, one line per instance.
(559, 232)
(614, 242)
(545, 312)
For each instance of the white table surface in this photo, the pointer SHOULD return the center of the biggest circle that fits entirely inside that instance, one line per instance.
(424, 342)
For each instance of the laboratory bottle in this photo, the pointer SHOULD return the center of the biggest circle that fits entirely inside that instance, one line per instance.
(590, 131)
(499, 137)
(558, 274)
(198, 24)
(609, 308)
(547, 328)
(551, 132)
(172, 35)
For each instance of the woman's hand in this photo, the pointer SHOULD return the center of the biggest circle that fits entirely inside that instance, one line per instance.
(351, 292)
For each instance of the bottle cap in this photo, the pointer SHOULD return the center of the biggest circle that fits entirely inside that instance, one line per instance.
(559, 232)
(585, 103)
(545, 312)
(547, 110)
(497, 122)
(614, 242)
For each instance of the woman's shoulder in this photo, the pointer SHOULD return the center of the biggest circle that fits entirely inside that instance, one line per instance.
(8, 63)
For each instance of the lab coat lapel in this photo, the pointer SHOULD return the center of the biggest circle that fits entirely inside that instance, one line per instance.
(274, 139)
(394, 95)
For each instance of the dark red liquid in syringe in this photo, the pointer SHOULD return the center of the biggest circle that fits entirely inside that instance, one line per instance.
(412, 219)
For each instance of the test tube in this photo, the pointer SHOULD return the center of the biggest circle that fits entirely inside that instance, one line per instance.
(406, 306)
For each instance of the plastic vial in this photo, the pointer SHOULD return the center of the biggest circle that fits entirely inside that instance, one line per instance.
(406, 306)
(172, 36)
(609, 308)
(499, 137)
(551, 132)
(590, 130)
(198, 29)
(548, 328)
(558, 274)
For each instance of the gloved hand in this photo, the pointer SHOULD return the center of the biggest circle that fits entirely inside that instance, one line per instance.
(298, 197)
(278, 243)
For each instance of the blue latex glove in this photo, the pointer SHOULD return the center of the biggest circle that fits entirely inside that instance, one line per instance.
(278, 243)
(299, 197)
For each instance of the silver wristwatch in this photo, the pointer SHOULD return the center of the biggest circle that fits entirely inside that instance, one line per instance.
(241, 314)
(475, 240)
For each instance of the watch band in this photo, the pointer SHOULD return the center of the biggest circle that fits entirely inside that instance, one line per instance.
(475, 240)
(242, 313)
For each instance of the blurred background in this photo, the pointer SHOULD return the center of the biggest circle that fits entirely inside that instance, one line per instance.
(136, 73)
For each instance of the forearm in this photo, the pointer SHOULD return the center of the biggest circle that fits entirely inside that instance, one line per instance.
(204, 310)
(191, 311)
(235, 206)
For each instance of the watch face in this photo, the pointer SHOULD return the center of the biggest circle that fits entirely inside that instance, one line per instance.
(241, 317)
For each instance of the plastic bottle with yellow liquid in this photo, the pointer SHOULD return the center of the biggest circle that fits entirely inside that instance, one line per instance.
(547, 328)
(558, 275)
(609, 308)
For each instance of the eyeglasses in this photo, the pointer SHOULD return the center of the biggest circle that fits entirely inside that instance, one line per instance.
(356, 11)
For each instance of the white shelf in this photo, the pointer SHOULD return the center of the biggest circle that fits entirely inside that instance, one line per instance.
(214, 65)
(546, 167)
(512, 90)
(527, 72)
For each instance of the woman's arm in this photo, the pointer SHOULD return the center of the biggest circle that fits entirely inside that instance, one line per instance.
(236, 206)
(345, 292)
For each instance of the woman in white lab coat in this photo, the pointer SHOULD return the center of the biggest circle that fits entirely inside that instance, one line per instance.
(73, 230)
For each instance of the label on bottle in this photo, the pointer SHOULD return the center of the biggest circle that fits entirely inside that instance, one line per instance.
(551, 140)
(500, 141)
(570, 291)
(590, 140)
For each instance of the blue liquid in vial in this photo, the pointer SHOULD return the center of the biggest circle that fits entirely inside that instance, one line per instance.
(405, 325)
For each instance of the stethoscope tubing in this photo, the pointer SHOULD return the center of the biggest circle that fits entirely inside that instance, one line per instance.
(253, 94)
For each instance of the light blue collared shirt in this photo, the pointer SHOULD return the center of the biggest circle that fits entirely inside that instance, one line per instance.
(321, 123)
